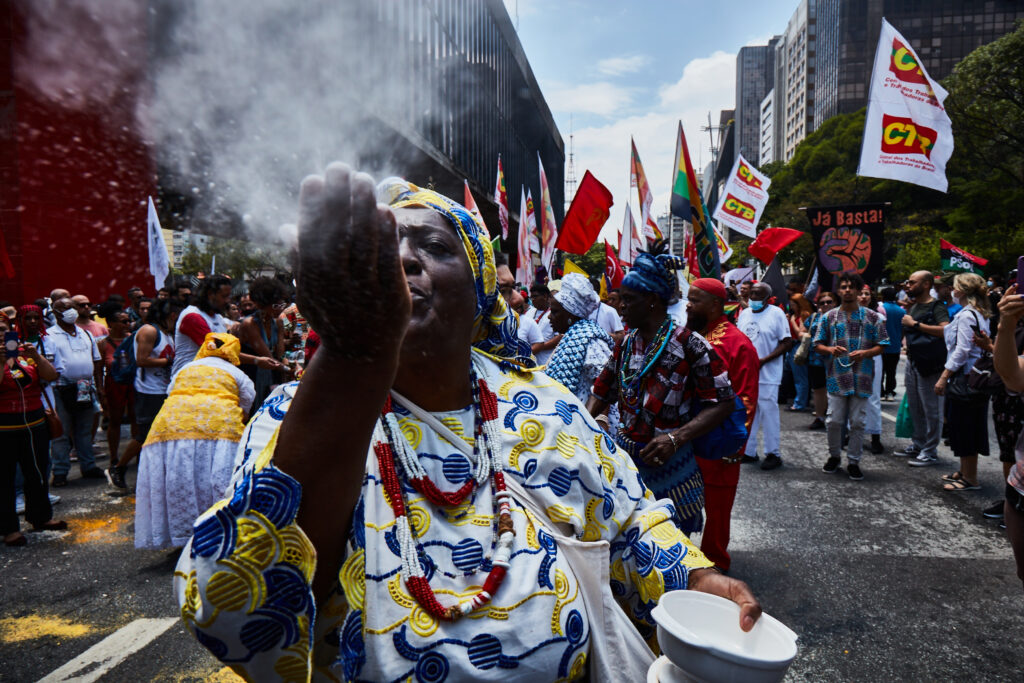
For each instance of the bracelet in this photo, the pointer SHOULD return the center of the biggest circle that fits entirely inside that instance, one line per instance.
(673, 440)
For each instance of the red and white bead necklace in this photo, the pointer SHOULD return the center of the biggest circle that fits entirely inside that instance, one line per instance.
(390, 446)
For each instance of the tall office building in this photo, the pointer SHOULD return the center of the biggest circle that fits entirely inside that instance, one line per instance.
(794, 82)
(942, 33)
(755, 76)
(767, 154)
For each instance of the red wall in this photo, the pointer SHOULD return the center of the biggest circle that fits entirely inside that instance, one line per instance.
(73, 186)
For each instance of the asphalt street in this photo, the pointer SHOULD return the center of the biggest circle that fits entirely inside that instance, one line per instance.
(885, 579)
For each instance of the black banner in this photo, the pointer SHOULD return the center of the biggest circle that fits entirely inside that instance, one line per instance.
(848, 239)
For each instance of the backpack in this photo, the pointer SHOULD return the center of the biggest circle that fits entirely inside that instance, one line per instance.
(122, 370)
(725, 439)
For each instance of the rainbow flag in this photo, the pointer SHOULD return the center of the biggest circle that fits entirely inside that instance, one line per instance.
(688, 204)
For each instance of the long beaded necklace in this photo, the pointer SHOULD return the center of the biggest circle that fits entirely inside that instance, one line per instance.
(390, 446)
(629, 384)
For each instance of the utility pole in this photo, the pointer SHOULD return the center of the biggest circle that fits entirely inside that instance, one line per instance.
(711, 136)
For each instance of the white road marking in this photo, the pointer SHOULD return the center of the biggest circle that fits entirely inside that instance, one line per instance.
(109, 652)
(887, 416)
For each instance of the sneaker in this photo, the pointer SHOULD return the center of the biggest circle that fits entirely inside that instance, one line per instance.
(115, 475)
(19, 505)
(876, 444)
(94, 473)
(750, 458)
(771, 461)
(817, 424)
(923, 461)
(59, 480)
(993, 511)
(908, 452)
(831, 465)
(853, 469)
(54, 499)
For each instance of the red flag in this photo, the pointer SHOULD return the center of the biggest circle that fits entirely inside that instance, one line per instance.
(587, 215)
(770, 241)
(612, 269)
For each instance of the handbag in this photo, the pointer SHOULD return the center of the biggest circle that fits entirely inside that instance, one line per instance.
(617, 650)
(959, 386)
(52, 419)
(803, 352)
(725, 439)
(904, 420)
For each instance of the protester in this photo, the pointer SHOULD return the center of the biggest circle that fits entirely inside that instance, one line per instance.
(189, 453)
(134, 303)
(608, 319)
(816, 362)
(968, 416)
(246, 305)
(183, 293)
(891, 355)
(154, 357)
(55, 295)
(1010, 366)
(332, 478)
(799, 310)
(658, 376)
(768, 329)
(873, 408)
(205, 315)
(234, 313)
(85, 317)
(163, 294)
(24, 441)
(120, 397)
(926, 354)
(706, 315)
(850, 336)
(585, 347)
(145, 306)
(78, 385)
(261, 333)
(539, 311)
(944, 293)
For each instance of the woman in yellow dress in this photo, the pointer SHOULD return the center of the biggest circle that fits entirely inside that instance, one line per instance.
(188, 457)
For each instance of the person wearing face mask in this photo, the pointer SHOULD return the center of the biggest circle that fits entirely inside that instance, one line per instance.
(81, 381)
(768, 328)
(816, 364)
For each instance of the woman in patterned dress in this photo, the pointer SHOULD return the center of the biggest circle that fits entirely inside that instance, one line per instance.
(418, 506)
(189, 453)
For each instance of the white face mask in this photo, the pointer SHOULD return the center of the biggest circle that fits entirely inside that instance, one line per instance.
(69, 316)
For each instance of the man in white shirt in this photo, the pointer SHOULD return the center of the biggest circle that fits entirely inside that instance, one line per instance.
(768, 329)
(540, 297)
(75, 390)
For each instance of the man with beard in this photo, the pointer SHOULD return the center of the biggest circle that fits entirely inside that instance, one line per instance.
(706, 316)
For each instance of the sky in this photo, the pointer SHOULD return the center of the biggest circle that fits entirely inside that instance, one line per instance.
(621, 69)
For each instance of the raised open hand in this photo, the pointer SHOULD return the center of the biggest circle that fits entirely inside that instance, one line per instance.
(350, 282)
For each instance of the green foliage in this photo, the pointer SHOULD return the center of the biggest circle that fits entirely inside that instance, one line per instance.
(235, 258)
(592, 261)
(982, 211)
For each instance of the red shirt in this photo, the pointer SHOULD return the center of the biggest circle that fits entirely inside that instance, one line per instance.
(741, 360)
(20, 389)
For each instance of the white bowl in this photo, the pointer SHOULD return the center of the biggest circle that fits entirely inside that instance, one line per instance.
(700, 633)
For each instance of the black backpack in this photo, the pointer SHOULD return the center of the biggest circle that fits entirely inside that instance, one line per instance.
(927, 353)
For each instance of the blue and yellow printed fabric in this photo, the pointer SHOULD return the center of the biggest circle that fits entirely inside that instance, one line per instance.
(244, 580)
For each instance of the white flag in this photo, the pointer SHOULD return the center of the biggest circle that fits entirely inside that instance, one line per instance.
(159, 265)
(524, 264)
(907, 134)
(743, 198)
(629, 240)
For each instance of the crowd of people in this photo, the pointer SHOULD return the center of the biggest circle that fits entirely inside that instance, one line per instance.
(75, 368)
(532, 454)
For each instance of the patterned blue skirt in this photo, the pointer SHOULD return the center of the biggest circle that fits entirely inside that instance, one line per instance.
(678, 480)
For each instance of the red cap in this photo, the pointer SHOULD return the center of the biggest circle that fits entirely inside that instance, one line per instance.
(711, 286)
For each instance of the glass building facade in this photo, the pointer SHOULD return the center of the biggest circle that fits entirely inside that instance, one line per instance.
(755, 77)
(942, 32)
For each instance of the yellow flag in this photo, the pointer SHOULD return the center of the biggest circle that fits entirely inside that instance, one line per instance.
(604, 289)
(571, 267)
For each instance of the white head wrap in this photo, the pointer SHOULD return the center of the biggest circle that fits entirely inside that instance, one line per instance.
(577, 295)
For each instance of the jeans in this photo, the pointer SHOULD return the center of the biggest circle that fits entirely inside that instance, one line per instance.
(766, 419)
(925, 409)
(77, 421)
(800, 381)
(840, 410)
(890, 361)
(873, 408)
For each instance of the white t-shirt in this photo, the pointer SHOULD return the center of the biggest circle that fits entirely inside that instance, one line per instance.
(543, 321)
(607, 318)
(528, 330)
(678, 311)
(76, 353)
(766, 329)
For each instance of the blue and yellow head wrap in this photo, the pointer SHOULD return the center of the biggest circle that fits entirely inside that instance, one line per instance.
(495, 329)
(653, 273)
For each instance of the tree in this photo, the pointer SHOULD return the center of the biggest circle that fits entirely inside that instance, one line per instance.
(235, 258)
